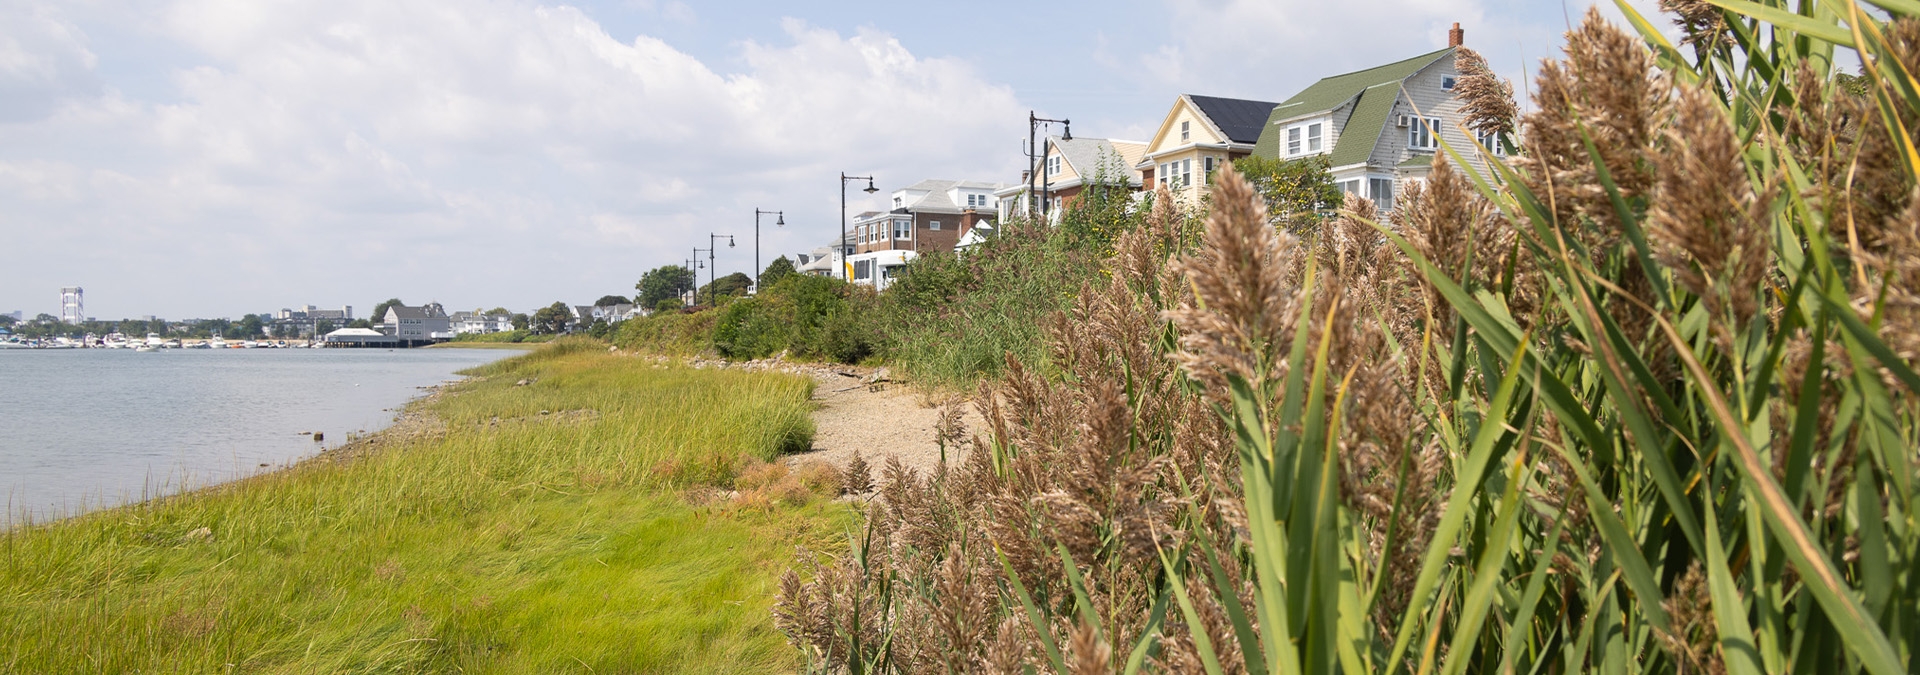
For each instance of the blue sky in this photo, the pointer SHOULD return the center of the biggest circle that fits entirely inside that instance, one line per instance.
(198, 158)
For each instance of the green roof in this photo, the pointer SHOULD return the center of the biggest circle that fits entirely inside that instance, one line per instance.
(1369, 116)
(1417, 161)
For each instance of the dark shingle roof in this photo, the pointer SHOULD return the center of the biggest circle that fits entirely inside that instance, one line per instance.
(1240, 119)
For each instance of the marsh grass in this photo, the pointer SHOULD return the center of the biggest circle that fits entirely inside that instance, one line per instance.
(534, 528)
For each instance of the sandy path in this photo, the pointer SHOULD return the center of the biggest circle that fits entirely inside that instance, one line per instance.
(880, 420)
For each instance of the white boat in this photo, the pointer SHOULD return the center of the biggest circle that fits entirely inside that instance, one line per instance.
(145, 348)
(114, 341)
(217, 342)
(154, 340)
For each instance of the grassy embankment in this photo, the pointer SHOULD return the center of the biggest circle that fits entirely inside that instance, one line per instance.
(515, 541)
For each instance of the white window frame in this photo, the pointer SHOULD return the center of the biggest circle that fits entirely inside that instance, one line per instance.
(1447, 82)
(1316, 137)
(1296, 140)
(1490, 141)
(1376, 186)
(1053, 165)
(933, 225)
(903, 229)
(1186, 130)
(1424, 133)
(1307, 137)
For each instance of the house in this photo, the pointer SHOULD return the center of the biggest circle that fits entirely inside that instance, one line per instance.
(931, 215)
(417, 325)
(476, 323)
(1069, 167)
(1197, 137)
(1379, 127)
(612, 313)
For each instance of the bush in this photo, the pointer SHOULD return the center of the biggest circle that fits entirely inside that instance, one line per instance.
(806, 316)
(677, 333)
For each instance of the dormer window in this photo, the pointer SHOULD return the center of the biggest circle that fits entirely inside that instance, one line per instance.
(1306, 139)
(896, 202)
(1184, 135)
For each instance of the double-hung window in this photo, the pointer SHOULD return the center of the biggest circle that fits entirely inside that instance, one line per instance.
(1185, 133)
(1381, 190)
(1424, 133)
(1304, 139)
(1053, 166)
(902, 228)
(1490, 140)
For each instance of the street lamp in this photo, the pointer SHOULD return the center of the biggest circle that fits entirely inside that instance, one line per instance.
(713, 285)
(841, 245)
(1033, 126)
(780, 220)
(696, 274)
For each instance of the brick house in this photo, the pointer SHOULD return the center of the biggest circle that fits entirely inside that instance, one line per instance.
(931, 215)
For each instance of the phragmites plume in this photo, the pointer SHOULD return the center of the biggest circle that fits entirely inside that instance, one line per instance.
(1243, 308)
(1606, 91)
(1705, 26)
(1488, 100)
(1711, 227)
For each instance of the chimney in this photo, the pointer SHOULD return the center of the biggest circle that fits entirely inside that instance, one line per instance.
(1456, 37)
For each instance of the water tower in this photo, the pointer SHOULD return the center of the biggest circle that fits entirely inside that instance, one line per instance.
(72, 306)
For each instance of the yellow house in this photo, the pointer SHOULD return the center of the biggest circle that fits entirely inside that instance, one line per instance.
(1199, 135)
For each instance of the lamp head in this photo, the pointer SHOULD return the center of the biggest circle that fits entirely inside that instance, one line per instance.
(1068, 136)
(870, 188)
(780, 220)
(729, 242)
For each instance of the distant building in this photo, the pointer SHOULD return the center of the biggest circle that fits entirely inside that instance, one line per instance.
(475, 323)
(931, 215)
(361, 337)
(312, 313)
(421, 325)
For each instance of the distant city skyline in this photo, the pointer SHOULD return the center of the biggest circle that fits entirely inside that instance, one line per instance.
(207, 158)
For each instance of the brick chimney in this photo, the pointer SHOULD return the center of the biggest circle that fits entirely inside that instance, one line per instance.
(1456, 37)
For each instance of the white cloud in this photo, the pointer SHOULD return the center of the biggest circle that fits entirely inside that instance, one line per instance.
(472, 151)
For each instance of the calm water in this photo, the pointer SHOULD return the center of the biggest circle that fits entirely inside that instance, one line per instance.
(86, 428)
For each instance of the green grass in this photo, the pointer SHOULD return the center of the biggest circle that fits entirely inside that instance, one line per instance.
(515, 542)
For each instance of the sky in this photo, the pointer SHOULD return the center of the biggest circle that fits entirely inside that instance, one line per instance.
(213, 158)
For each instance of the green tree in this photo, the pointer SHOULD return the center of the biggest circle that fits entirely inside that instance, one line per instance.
(735, 284)
(359, 323)
(552, 319)
(776, 270)
(1299, 192)
(520, 321)
(661, 283)
(498, 311)
(250, 325)
(669, 305)
(6, 320)
(322, 327)
(611, 300)
(380, 311)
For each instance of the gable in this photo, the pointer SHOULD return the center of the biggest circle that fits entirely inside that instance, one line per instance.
(1335, 92)
(1198, 129)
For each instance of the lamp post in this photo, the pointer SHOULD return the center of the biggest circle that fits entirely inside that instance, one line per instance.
(1033, 127)
(713, 284)
(840, 246)
(780, 220)
(696, 275)
(693, 266)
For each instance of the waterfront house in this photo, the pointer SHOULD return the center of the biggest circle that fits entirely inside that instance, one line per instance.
(1199, 135)
(1379, 127)
(417, 325)
(931, 215)
(1069, 167)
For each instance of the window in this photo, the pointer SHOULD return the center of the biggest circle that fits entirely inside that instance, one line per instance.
(1381, 190)
(1186, 172)
(1446, 82)
(1306, 138)
(1176, 175)
(977, 200)
(1423, 134)
(902, 229)
(1490, 141)
(1209, 163)
(1350, 187)
(896, 202)
(863, 269)
(1053, 166)
(933, 225)
(1184, 129)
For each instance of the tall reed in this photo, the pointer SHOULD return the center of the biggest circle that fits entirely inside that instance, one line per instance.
(1640, 400)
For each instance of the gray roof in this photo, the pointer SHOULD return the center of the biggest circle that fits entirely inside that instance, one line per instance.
(1088, 154)
(405, 312)
(1240, 119)
(936, 200)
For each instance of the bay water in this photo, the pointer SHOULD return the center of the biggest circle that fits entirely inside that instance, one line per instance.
(83, 429)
